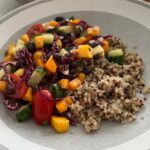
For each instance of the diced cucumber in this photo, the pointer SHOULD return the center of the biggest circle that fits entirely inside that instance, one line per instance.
(24, 113)
(116, 56)
(63, 52)
(98, 50)
(48, 38)
(57, 91)
(36, 76)
(66, 29)
(50, 29)
(20, 45)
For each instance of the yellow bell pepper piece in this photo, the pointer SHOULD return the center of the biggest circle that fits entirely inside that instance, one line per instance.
(60, 124)
(3, 86)
(59, 43)
(19, 72)
(81, 77)
(64, 83)
(8, 58)
(95, 31)
(74, 84)
(80, 40)
(25, 38)
(37, 57)
(28, 95)
(11, 49)
(53, 23)
(85, 51)
(106, 46)
(50, 65)
(39, 42)
(68, 100)
(75, 21)
(61, 106)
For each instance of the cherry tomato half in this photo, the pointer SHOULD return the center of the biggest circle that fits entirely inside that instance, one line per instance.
(20, 90)
(42, 107)
(35, 29)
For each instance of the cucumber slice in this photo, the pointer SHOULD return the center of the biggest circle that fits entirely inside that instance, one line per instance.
(57, 91)
(116, 56)
(63, 52)
(2, 73)
(24, 113)
(50, 29)
(36, 76)
(66, 29)
(48, 38)
(20, 45)
(97, 50)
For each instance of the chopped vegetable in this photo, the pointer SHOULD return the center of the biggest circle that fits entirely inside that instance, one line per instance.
(10, 51)
(28, 95)
(85, 51)
(24, 113)
(80, 40)
(81, 77)
(95, 31)
(39, 41)
(36, 76)
(57, 91)
(59, 43)
(60, 124)
(74, 84)
(19, 72)
(50, 65)
(3, 86)
(75, 21)
(105, 46)
(98, 50)
(25, 38)
(64, 83)
(63, 52)
(53, 23)
(61, 106)
(42, 106)
(2, 73)
(116, 56)
(66, 29)
(37, 57)
(48, 38)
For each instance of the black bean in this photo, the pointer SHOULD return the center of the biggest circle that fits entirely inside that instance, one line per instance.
(31, 47)
(22, 102)
(96, 56)
(87, 70)
(94, 44)
(74, 64)
(57, 56)
(59, 18)
(72, 71)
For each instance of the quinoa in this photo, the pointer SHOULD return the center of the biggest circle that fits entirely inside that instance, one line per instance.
(109, 91)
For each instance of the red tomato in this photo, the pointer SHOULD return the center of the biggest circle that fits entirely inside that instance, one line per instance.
(42, 106)
(19, 90)
(35, 29)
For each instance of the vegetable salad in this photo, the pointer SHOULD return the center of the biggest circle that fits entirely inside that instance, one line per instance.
(46, 62)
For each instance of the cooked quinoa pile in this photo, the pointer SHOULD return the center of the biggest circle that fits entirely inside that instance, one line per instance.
(109, 92)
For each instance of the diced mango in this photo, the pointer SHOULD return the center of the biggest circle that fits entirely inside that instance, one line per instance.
(8, 58)
(37, 57)
(60, 124)
(39, 42)
(59, 43)
(28, 95)
(68, 100)
(80, 40)
(25, 38)
(85, 51)
(50, 65)
(74, 84)
(75, 21)
(106, 46)
(95, 31)
(81, 77)
(11, 49)
(61, 106)
(3, 86)
(19, 72)
(64, 83)
(53, 23)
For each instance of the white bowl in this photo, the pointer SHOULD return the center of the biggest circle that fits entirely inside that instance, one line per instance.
(119, 17)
